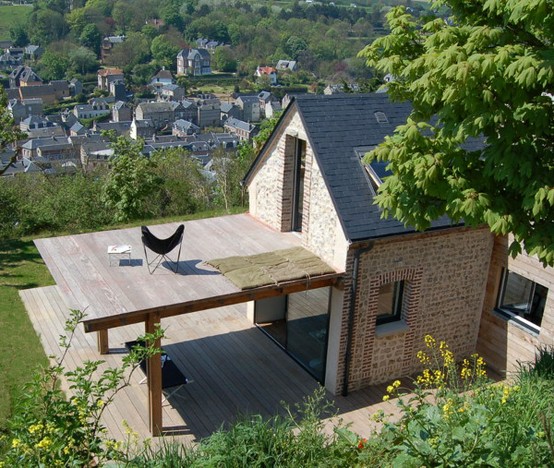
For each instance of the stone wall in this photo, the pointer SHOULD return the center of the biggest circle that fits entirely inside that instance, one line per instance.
(271, 196)
(502, 342)
(444, 274)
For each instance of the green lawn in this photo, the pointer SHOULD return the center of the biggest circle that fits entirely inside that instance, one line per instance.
(21, 267)
(10, 15)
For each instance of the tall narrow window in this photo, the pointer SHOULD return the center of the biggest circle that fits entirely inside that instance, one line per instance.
(298, 196)
(522, 297)
(389, 307)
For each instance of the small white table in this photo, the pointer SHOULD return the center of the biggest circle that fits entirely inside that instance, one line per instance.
(119, 252)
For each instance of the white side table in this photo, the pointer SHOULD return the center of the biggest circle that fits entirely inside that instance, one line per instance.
(119, 252)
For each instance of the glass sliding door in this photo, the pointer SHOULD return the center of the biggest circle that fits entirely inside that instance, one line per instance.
(307, 328)
(301, 328)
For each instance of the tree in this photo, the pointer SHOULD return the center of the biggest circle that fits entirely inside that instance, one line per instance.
(83, 60)
(163, 51)
(130, 182)
(223, 60)
(19, 36)
(54, 65)
(91, 37)
(484, 73)
(9, 133)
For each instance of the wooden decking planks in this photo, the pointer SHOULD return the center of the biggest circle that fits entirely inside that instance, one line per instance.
(235, 368)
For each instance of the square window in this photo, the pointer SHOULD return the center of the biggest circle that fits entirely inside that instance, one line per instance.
(522, 297)
(389, 306)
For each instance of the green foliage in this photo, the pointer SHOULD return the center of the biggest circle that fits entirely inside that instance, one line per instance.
(484, 72)
(48, 429)
(163, 51)
(455, 418)
(9, 133)
(53, 65)
(130, 181)
(223, 60)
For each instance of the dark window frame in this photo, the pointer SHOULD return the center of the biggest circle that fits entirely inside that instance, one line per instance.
(530, 314)
(397, 303)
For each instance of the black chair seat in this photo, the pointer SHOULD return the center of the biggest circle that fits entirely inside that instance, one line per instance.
(162, 247)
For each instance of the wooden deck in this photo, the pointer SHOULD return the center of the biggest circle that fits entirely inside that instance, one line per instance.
(235, 368)
(115, 295)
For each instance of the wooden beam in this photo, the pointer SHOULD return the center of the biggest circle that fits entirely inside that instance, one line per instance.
(154, 373)
(102, 340)
(240, 296)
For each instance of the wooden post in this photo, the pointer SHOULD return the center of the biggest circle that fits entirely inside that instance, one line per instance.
(102, 341)
(154, 372)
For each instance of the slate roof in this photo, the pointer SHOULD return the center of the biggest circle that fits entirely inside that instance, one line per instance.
(336, 126)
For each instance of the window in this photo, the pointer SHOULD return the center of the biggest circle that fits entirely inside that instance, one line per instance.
(389, 307)
(298, 196)
(521, 297)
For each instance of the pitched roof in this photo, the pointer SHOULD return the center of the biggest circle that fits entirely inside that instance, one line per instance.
(110, 71)
(336, 127)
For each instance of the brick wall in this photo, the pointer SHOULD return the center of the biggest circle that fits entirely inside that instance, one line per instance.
(502, 343)
(444, 273)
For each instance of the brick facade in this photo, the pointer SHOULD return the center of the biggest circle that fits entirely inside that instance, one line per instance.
(444, 271)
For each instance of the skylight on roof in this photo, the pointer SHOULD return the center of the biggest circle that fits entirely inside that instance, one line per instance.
(381, 117)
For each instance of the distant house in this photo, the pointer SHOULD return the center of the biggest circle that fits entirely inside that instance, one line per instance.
(9, 61)
(182, 128)
(207, 44)
(118, 90)
(161, 79)
(121, 112)
(142, 129)
(108, 44)
(91, 111)
(228, 109)
(37, 147)
(250, 107)
(24, 76)
(75, 87)
(209, 111)
(40, 127)
(122, 127)
(194, 62)
(33, 52)
(22, 109)
(107, 75)
(161, 114)
(172, 92)
(243, 130)
(284, 65)
(270, 72)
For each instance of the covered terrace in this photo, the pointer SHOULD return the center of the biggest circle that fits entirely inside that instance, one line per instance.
(124, 294)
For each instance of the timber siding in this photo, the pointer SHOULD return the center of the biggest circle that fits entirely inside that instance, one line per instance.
(504, 344)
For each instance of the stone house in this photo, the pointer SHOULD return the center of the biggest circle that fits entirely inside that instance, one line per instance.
(250, 108)
(108, 44)
(398, 284)
(24, 76)
(243, 130)
(160, 113)
(161, 79)
(109, 75)
(194, 62)
(20, 110)
(122, 112)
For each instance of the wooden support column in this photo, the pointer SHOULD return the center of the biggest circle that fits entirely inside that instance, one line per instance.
(102, 341)
(154, 372)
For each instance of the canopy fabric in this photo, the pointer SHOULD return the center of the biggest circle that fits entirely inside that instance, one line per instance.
(276, 267)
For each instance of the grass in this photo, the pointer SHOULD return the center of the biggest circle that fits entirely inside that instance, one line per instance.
(21, 267)
(11, 15)
(20, 351)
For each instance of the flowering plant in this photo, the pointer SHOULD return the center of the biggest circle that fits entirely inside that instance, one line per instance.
(49, 429)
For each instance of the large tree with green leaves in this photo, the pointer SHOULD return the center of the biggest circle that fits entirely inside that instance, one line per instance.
(484, 70)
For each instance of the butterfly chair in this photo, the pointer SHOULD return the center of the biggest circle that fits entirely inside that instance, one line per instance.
(161, 247)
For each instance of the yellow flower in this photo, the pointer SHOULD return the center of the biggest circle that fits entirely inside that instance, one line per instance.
(386, 398)
(396, 384)
(16, 443)
(35, 428)
(430, 342)
(390, 389)
(44, 443)
(100, 403)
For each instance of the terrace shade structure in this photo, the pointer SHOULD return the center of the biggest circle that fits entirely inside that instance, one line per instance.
(128, 294)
